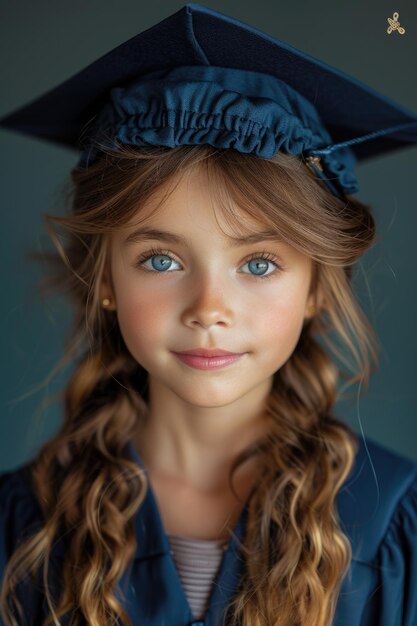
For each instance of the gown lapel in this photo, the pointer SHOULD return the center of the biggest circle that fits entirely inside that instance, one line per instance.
(152, 588)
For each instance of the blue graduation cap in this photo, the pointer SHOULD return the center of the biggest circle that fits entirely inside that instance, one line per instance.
(202, 77)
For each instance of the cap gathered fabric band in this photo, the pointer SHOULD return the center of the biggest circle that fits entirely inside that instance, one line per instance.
(248, 111)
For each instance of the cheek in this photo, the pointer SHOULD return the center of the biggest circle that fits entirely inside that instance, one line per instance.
(281, 319)
(141, 313)
(141, 320)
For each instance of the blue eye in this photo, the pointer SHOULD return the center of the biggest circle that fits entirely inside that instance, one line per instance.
(259, 263)
(161, 262)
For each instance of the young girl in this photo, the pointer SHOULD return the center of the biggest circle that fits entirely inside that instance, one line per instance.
(200, 476)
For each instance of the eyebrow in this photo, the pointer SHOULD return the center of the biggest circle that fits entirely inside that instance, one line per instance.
(146, 234)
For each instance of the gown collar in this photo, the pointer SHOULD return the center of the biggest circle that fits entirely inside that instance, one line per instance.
(150, 532)
(356, 504)
(152, 541)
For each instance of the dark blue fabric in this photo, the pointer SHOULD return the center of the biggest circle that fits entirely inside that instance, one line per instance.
(378, 511)
(359, 121)
(226, 108)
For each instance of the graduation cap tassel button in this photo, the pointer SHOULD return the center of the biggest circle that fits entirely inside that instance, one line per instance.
(316, 160)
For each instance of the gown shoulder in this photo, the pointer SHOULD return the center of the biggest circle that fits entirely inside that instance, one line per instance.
(20, 513)
(20, 517)
(378, 511)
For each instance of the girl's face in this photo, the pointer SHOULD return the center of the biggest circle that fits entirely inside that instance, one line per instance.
(196, 288)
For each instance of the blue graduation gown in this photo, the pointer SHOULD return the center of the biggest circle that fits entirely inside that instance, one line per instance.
(378, 511)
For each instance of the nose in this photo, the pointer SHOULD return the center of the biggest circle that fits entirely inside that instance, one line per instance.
(209, 306)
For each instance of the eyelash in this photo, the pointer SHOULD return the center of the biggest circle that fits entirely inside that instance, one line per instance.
(267, 256)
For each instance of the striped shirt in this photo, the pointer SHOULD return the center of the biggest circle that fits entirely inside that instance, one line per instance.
(197, 562)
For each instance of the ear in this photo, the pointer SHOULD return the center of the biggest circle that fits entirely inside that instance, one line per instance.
(315, 300)
(314, 304)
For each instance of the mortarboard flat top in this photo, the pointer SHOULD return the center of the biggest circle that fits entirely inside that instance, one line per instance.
(198, 35)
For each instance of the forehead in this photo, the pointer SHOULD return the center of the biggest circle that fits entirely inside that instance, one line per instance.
(194, 198)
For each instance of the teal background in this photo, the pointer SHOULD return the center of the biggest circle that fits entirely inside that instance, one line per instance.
(44, 42)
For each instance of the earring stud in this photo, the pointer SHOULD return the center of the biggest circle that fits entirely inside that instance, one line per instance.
(105, 302)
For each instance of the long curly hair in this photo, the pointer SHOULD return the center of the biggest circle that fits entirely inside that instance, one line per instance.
(89, 490)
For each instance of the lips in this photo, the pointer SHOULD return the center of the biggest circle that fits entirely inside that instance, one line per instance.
(202, 359)
(208, 353)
